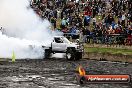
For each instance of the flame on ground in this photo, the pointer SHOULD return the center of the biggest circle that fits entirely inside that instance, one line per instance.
(82, 71)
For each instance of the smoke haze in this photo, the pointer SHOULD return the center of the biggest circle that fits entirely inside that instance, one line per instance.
(22, 27)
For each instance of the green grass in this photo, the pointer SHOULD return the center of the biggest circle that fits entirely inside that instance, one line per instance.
(108, 50)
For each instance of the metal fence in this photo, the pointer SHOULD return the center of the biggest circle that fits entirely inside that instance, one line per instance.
(113, 39)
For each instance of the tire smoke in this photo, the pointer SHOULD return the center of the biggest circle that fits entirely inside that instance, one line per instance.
(22, 28)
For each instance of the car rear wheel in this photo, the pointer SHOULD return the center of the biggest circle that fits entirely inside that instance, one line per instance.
(47, 53)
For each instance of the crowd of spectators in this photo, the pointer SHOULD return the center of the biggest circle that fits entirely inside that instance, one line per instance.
(104, 21)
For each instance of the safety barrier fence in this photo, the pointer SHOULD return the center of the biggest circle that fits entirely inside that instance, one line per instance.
(113, 39)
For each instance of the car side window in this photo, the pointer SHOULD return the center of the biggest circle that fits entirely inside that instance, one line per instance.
(58, 40)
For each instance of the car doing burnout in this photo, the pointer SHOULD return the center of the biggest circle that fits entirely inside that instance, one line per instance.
(61, 44)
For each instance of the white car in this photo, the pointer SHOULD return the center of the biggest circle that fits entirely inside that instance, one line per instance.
(61, 44)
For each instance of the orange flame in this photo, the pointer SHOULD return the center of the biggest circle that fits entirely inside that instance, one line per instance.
(81, 71)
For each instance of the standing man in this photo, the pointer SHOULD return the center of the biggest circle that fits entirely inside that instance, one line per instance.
(86, 20)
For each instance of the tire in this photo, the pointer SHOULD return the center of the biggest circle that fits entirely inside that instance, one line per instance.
(47, 53)
(70, 54)
(78, 56)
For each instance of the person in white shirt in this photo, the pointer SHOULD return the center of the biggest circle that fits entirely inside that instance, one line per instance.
(123, 19)
(94, 21)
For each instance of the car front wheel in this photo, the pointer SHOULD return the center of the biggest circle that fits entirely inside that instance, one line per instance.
(70, 54)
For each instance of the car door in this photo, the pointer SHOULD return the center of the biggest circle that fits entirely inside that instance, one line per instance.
(58, 44)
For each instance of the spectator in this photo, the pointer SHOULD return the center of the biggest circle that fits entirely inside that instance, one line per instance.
(86, 20)
(53, 22)
(123, 19)
(94, 21)
(116, 15)
(63, 23)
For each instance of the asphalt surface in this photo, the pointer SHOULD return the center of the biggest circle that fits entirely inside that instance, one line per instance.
(57, 73)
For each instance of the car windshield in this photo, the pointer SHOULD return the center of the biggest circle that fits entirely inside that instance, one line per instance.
(65, 40)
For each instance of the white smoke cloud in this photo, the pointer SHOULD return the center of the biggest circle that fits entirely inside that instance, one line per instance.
(22, 27)
(21, 48)
(19, 20)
